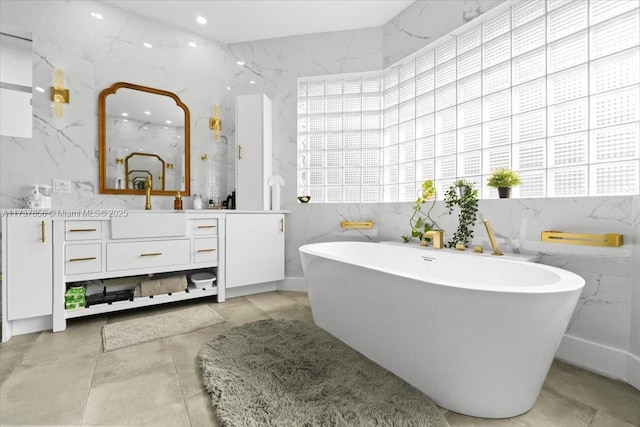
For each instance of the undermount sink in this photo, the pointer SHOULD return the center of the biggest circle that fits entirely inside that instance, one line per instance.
(143, 224)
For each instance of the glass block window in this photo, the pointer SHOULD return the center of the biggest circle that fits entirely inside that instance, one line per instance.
(550, 89)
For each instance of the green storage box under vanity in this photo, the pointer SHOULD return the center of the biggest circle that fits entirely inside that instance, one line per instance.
(74, 297)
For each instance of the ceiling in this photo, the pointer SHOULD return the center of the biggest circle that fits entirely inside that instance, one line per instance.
(233, 21)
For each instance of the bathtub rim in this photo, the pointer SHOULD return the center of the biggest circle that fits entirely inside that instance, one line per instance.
(567, 280)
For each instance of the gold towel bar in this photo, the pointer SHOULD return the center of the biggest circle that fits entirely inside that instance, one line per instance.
(611, 239)
(356, 224)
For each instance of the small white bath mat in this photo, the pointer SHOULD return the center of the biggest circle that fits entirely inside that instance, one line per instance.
(138, 331)
(283, 373)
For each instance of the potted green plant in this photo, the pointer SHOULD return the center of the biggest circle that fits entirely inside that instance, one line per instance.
(463, 194)
(420, 220)
(503, 179)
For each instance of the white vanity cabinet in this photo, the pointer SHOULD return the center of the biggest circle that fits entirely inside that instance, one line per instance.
(254, 248)
(45, 255)
(253, 156)
(27, 266)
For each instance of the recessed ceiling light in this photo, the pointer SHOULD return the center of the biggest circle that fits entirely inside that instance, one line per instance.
(193, 44)
(126, 149)
(97, 15)
(252, 82)
(144, 127)
(141, 148)
(241, 63)
(147, 45)
(148, 113)
(125, 114)
(228, 87)
(125, 120)
(201, 20)
(168, 122)
(39, 89)
(166, 127)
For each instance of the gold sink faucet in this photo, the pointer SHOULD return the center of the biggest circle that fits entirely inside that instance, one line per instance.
(147, 204)
(436, 235)
(492, 239)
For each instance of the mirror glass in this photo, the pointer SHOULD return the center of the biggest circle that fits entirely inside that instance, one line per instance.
(15, 82)
(144, 132)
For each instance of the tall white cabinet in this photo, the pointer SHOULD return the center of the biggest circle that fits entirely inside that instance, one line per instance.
(253, 152)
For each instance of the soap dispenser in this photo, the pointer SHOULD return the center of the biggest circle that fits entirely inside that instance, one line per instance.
(177, 203)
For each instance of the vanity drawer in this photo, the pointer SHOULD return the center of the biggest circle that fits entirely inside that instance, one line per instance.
(205, 227)
(160, 253)
(82, 230)
(79, 259)
(205, 250)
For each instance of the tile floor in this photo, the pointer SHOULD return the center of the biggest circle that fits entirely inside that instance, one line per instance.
(65, 378)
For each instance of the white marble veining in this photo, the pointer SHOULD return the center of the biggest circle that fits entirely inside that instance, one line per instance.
(95, 54)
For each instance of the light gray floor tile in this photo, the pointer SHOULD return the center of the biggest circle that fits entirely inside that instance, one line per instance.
(603, 419)
(47, 392)
(200, 410)
(271, 301)
(293, 312)
(596, 391)
(82, 337)
(239, 314)
(553, 410)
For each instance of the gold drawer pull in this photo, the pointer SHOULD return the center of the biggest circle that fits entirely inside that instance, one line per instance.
(89, 258)
(206, 226)
(152, 254)
(75, 230)
(43, 235)
(206, 250)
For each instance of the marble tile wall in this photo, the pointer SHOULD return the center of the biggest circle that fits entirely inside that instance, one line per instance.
(95, 54)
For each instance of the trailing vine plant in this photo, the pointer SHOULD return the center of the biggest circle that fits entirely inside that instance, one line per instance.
(462, 194)
(420, 221)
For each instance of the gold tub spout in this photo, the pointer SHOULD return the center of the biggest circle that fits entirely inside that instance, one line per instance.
(437, 236)
(147, 203)
(492, 239)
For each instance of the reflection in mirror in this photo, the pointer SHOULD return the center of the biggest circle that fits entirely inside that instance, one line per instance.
(15, 82)
(144, 130)
(139, 166)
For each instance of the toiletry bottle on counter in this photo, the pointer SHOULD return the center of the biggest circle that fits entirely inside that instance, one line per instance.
(177, 203)
(197, 201)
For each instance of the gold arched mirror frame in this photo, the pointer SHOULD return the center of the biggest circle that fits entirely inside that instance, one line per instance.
(102, 140)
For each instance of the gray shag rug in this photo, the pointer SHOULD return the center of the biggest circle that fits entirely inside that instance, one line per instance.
(138, 331)
(291, 373)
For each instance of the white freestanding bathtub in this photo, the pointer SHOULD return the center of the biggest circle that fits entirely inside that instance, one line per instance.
(475, 333)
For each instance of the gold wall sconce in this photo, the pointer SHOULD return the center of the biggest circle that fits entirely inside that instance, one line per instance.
(169, 165)
(59, 95)
(119, 161)
(215, 123)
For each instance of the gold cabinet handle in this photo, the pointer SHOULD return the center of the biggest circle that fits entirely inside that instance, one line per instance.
(206, 250)
(89, 258)
(206, 226)
(43, 234)
(76, 230)
(239, 151)
(152, 254)
(282, 225)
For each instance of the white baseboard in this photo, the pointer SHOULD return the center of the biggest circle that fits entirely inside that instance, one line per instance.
(296, 284)
(605, 360)
(250, 289)
(633, 370)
